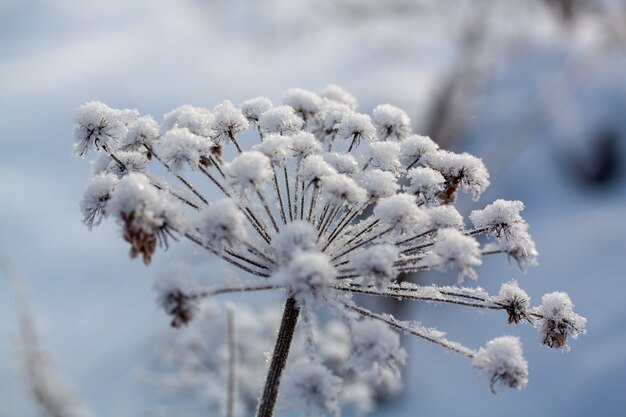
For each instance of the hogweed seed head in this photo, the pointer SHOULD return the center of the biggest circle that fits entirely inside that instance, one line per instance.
(329, 202)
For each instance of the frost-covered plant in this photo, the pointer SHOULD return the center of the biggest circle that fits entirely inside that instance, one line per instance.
(327, 203)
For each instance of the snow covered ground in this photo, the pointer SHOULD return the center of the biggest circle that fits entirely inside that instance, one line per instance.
(546, 95)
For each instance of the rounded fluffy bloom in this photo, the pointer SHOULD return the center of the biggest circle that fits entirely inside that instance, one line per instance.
(253, 108)
(391, 122)
(415, 147)
(344, 163)
(296, 237)
(227, 121)
(559, 320)
(95, 198)
(314, 168)
(281, 120)
(130, 162)
(498, 217)
(339, 189)
(460, 170)
(375, 348)
(307, 276)
(304, 144)
(375, 264)
(181, 147)
(501, 361)
(383, 155)
(426, 184)
(146, 215)
(306, 103)
(377, 183)
(249, 169)
(197, 120)
(311, 390)
(95, 124)
(452, 249)
(331, 116)
(143, 131)
(338, 94)
(277, 148)
(356, 127)
(443, 217)
(515, 301)
(222, 224)
(400, 212)
(175, 289)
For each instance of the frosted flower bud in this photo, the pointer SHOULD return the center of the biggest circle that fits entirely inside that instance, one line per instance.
(181, 147)
(515, 301)
(498, 217)
(333, 114)
(443, 217)
(306, 103)
(294, 238)
(338, 94)
(313, 169)
(253, 108)
(376, 348)
(452, 249)
(344, 163)
(559, 320)
(501, 361)
(415, 147)
(95, 198)
(197, 120)
(375, 264)
(227, 121)
(426, 184)
(383, 155)
(281, 120)
(143, 131)
(400, 212)
(355, 127)
(222, 224)
(175, 290)
(304, 144)
(311, 390)
(132, 161)
(307, 276)
(277, 148)
(248, 169)
(100, 163)
(460, 170)
(377, 183)
(146, 216)
(391, 122)
(96, 124)
(339, 189)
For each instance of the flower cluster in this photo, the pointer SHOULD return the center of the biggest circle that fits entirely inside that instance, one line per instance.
(325, 203)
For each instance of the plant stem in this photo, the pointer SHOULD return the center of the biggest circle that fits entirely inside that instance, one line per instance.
(279, 358)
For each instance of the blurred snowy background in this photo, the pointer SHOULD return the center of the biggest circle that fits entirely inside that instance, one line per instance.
(535, 88)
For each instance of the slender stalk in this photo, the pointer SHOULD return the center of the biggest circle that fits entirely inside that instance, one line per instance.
(279, 358)
(280, 198)
(288, 192)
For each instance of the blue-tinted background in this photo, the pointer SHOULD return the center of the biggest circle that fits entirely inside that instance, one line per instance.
(537, 89)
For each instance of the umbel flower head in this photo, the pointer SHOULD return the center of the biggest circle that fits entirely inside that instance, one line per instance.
(321, 202)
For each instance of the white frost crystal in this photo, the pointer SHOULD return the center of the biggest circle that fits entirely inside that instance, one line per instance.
(356, 127)
(307, 276)
(338, 94)
(391, 122)
(415, 147)
(253, 108)
(227, 121)
(376, 264)
(95, 198)
(376, 348)
(295, 238)
(143, 131)
(96, 124)
(222, 224)
(501, 362)
(452, 249)
(426, 184)
(378, 184)
(181, 147)
(383, 155)
(559, 320)
(462, 170)
(400, 212)
(281, 120)
(249, 169)
(312, 390)
(515, 300)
